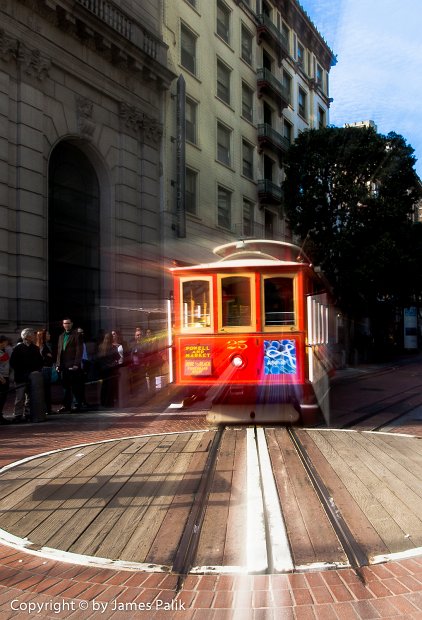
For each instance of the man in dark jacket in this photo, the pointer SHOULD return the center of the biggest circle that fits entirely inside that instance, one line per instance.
(69, 363)
(25, 358)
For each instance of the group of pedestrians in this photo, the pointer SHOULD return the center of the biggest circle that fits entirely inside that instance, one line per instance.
(72, 363)
(34, 354)
(146, 360)
(143, 356)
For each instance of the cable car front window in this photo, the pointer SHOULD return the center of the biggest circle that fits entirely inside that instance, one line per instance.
(196, 304)
(236, 301)
(279, 301)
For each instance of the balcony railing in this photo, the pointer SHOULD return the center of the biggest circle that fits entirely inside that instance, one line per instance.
(267, 29)
(269, 192)
(267, 82)
(110, 14)
(268, 136)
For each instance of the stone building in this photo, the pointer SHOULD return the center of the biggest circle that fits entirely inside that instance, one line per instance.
(82, 84)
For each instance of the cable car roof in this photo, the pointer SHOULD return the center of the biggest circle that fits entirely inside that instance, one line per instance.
(253, 253)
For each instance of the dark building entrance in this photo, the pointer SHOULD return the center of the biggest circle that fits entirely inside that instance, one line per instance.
(73, 239)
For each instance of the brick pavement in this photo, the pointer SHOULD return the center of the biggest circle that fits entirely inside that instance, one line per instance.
(34, 587)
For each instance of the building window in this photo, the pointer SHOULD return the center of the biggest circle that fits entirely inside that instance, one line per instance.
(287, 130)
(301, 56)
(268, 114)
(188, 49)
(321, 118)
(247, 217)
(247, 102)
(266, 9)
(267, 60)
(223, 21)
(287, 85)
(223, 144)
(319, 76)
(268, 168)
(224, 208)
(302, 103)
(269, 228)
(247, 39)
(285, 33)
(223, 82)
(247, 159)
(191, 183)
(191, 122)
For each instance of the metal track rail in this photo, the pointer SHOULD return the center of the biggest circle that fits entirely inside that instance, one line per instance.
(355, 554)
(278, 547)
(188, 545)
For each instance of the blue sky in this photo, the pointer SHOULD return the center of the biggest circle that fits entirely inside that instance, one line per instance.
(378, 75)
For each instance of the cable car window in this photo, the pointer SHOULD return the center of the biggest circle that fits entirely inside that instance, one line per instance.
(236, 301)
(278, 301)
(195, 308)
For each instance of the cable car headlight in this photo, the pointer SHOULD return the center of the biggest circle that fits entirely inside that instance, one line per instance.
(238, 361)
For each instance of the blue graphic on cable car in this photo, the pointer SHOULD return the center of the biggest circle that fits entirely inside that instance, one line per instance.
(279, 357)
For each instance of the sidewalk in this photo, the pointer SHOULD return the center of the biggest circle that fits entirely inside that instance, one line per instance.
(364, 369)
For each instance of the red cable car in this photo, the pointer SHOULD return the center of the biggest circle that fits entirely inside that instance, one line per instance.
(253, 329)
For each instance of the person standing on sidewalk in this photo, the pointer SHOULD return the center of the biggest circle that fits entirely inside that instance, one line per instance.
(108, 360)
(4, 376)
(25, 359)
(84, 370)
(137, 362)
(153, 360)
(69, 364)
(120, 346)
(43, 343)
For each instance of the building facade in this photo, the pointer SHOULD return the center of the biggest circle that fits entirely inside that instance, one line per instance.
(82, 85)
(135, 134)
(252, 75)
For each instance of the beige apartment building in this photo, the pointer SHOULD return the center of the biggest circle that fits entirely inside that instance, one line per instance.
(251, 76)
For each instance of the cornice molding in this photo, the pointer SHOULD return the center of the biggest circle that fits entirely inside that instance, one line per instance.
(130, 46)
(307, 32)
